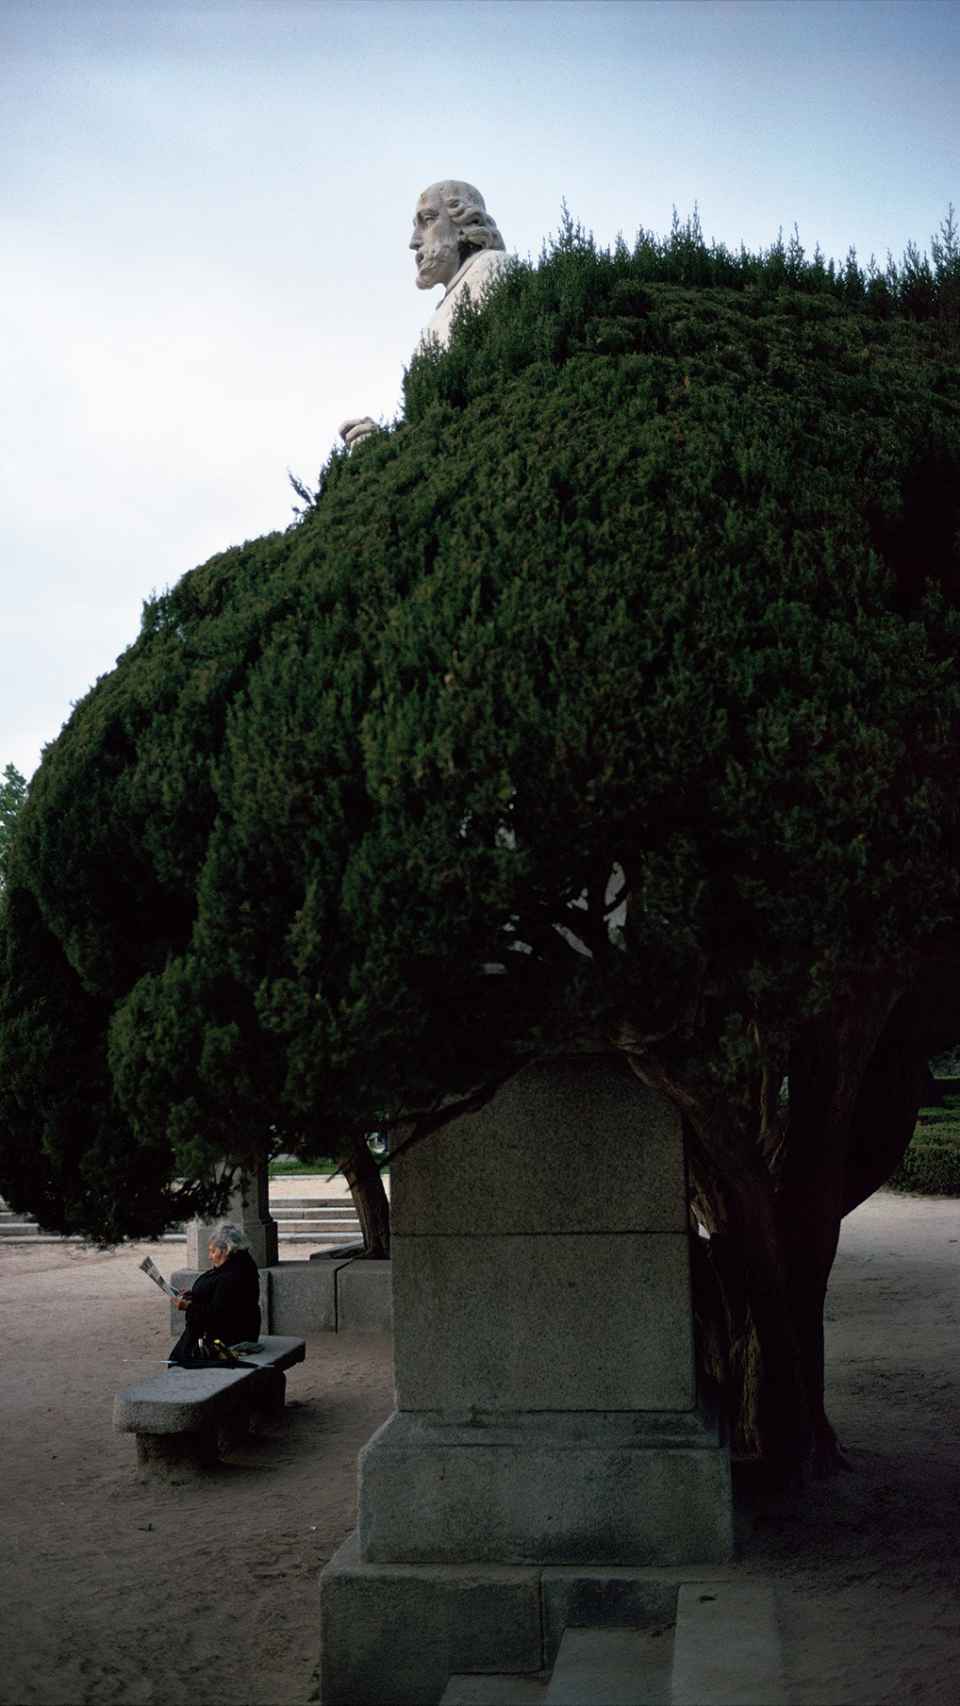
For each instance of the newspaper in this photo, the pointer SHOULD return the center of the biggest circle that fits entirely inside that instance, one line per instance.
(153, 1272)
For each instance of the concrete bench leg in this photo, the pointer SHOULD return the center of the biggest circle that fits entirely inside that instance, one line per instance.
(270, 1396)
(159, 1452)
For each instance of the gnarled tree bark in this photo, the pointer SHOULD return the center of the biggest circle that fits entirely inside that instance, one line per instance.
(773, 1200)
(370, 1199)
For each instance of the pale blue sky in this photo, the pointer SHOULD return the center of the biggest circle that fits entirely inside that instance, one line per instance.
(205, 209)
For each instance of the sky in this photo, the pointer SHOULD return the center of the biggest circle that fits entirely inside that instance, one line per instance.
(206, 206)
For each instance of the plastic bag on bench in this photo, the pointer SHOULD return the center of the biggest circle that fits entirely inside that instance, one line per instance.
(206, 1353)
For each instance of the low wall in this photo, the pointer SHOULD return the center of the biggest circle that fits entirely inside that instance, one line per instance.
(332, 1295)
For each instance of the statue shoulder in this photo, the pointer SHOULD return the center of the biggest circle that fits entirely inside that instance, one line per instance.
(476, 279)
(486, 266)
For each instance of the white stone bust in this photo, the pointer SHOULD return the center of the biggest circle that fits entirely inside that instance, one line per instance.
(456, 244)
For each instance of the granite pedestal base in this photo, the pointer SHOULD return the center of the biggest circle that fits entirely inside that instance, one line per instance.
(552, 1487)
(547, 1413)
(394, 1634)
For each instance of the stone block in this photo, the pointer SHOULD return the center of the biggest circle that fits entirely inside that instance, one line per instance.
(727, 1646)
(575, 1145)
(547, 1434)
(588, 1322)
(602, 1599)
(604, 1489)
(154, 1407)
(392, 1635)
(618, 1667)
(303, 1297)
(364, 1297)
(495, 1690)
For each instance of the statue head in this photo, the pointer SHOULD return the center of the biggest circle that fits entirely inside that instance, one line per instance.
(450, 225)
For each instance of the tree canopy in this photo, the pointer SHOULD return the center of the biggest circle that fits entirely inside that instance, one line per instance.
(610, 696)
(13, 794)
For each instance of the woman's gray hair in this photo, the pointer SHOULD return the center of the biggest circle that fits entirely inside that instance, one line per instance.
(468, 212)
(229, 1237)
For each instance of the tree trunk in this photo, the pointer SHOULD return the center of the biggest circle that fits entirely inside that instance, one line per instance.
(370, 1199)
(773, 1211)
(748, 1348)
(842, 1078)
(748, 1345)
(893, 1090)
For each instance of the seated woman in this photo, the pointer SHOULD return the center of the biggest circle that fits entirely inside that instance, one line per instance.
(224, 1303)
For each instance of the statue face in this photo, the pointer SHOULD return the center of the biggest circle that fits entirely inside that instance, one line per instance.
(435, 241)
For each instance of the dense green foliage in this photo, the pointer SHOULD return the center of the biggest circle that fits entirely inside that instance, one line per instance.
(13, 794)
(653, 592)
(322, 1164)
(931, 1165)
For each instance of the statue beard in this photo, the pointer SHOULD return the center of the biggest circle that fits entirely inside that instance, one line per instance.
(440, 261)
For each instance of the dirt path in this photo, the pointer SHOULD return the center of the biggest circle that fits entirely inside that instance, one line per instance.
(867, 1563)
(116, 1590)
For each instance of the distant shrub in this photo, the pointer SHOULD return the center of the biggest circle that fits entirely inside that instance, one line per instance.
(281, 1169)
(931, 1165)
(930, 1168)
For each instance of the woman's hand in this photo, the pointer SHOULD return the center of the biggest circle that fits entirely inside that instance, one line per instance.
(183, 1301)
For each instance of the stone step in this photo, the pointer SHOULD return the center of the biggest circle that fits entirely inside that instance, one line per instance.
(727, 1646)
(45, 1238)
(284, 1208)
(331, 1205)
(293, 1222)
(335, 1240)
(620, 1667)
(31, 1238)
(324, 1228)
(496, 1691)
(725, 1650)
(300, 1220)
(595, 1667)
(27, 1232)
(333, 1212)
(317, 1222)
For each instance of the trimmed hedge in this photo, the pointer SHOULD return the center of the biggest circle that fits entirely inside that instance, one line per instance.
(652, 593)
(931, 1165)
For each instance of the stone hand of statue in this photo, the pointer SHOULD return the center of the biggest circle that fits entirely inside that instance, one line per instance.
(356, 429)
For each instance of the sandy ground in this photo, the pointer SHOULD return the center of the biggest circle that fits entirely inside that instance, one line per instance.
(116, 1589)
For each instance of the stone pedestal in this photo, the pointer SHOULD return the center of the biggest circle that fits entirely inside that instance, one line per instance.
(249, 1208)
(546, 1400)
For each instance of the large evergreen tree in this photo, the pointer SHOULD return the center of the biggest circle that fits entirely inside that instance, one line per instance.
(13, 794)
(610, 698)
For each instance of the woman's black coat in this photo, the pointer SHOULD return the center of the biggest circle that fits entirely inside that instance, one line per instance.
(224, 1304)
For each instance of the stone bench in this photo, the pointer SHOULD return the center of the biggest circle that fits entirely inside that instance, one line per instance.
(178, 1416)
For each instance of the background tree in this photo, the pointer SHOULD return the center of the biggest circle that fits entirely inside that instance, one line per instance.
(13, 793)
(609, 700)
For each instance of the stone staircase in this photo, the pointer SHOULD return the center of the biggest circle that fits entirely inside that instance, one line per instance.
(618, 1667)
(723, 1650)
(300, 1220)
(316, 1220)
